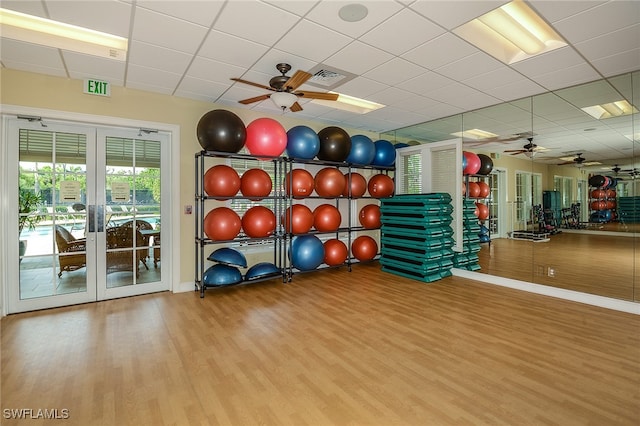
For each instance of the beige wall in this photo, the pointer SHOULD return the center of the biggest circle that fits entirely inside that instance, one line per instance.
(62, 94)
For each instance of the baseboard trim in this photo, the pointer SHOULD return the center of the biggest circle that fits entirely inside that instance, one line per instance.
(184, 287)
(561, 293)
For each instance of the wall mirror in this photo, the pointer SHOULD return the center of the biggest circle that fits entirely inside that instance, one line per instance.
(546, 150)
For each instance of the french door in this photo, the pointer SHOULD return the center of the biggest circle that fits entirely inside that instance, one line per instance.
(92, 229)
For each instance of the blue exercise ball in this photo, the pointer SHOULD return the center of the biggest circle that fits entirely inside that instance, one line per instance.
(220, 274)
(302, 142)
(228, 256)
(385, 153)
(261, 270)
(464, 162)
(362, 150)
(307, 252)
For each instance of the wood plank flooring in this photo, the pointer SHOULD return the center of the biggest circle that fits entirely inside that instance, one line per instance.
(604, 265)
(329, 348)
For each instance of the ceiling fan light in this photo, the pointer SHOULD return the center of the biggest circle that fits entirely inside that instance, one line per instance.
(283, 100)
(530, 154)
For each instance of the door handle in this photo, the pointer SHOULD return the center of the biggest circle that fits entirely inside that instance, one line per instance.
(91, 216)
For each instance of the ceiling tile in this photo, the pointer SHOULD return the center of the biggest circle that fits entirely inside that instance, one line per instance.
(451, 14)
(107, 16)
(425, 83)
(567, 76)
(326, 14)
(313, 41)
(548, 62)
(164, 81)
(252, 20)
(231, 49)
(82, 66)
(30, 7)
(150, 56)
(267, 63)
(200, 89)
(27, 53)
(358, 58)
(209, 70)
(390, 96)
(399, 33)
(198, 12)
(619, 41)
(617, 64)
(440, 51)
(297, 7)
(395, 71)
(554, 11)
(517, 90)
(488, 81)
(176, 34)
(596, 21)
(361, 87)
(478, 63)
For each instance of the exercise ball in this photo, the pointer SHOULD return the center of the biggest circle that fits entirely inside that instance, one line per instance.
(255, 184)
(464, 162)
(611, 204)
(258, 222)
(357, 183)
(298, 183)
(597, 193)
(266, 137)
(380, 186)
(220, 274)
(486, 164)
(385, 154)
(596, 181)
(335, 144)
(485, 190)
(369, 216)
(307, 252)
(335, 252)
(483, 211)
(326, 218)
(474, 190)
(221, 130)
(228, 256)
(329, 182)
(364, 248)
(610, 193)
(221, 181)
(302, 142)
(362, 150)
(221, 224)
(298, 219)
(473, 163)
(261, 270)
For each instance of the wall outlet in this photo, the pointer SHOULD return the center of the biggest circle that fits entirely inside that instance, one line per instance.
(188, 209)
(551, 272)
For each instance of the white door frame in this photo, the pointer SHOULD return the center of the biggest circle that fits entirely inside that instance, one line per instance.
(7, 227)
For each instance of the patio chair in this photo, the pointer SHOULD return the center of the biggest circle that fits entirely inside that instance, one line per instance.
(71, 250)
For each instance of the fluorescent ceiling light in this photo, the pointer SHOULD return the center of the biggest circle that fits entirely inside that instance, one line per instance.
(33, 29)
(511, 33)
(612, 109)
(475, 134)
(350, 103)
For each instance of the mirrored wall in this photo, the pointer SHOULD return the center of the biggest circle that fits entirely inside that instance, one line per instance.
(565, 197)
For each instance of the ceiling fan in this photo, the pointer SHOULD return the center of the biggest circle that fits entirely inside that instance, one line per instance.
(576, 161)
(530, 149)
(284, 90)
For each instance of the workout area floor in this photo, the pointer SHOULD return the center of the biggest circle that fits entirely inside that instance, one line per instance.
(330, 348)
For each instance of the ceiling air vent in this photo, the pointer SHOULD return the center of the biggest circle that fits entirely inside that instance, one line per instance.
(327, 77)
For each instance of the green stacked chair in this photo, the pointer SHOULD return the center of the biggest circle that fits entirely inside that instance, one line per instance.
(468, 258)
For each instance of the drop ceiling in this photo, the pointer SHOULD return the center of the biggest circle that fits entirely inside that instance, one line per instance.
(403, 53)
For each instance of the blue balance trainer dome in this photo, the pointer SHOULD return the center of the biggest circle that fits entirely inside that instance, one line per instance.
(219, 275)
(228, 256)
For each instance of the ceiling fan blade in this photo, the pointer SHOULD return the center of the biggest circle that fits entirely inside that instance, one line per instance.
(295, 107)
(251, 83)
(254, 99)
(516, 151)
(318, 95)
(566, 162)
(296, 80)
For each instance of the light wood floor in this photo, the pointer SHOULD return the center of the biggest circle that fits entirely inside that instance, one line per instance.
(330, 348)
(597, 264)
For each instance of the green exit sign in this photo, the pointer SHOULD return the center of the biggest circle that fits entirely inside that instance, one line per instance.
(97, 87)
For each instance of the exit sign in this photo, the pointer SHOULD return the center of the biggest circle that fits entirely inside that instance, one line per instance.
(97, 87)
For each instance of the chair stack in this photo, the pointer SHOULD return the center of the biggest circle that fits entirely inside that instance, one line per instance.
(468, 258)
(629, 209)
(417, 236)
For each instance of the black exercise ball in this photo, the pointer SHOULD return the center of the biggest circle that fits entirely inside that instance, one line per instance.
(486, 164)
(596, 181)
(221, 130)
(335, 144)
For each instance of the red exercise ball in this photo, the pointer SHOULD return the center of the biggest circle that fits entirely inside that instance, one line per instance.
(298, 219)
(358, 185)
(326, 218)
(485, 190)
(298, 183)
(483, 211)
(380, 186)
(265, 136)
(329, 182)
(255, 183)
(611, 204)
(369, 216)
(258, 222)
(221, 181)
(335, 252)
(473, 163)
(598, 193)
(610, 193)
(222, 224)
(474, 190)
(364, 248)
